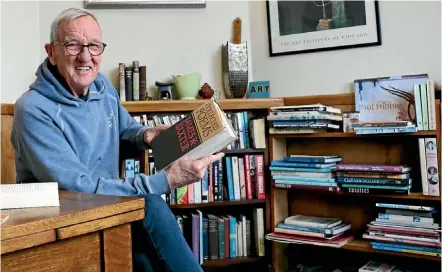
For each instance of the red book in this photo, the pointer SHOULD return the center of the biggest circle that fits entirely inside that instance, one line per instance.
(247, 176)
(260, 189)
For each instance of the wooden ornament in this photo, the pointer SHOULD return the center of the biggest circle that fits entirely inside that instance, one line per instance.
(237, 31)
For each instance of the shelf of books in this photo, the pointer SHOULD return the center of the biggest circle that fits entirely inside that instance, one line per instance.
(224, 215)
(337, 184)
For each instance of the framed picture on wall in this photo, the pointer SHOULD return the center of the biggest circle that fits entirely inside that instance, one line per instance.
(121, 4)
(310, 26)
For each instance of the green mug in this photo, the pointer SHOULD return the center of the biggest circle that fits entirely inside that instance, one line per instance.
(187, 86)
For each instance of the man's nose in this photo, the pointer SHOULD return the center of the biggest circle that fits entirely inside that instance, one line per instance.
(85, 55)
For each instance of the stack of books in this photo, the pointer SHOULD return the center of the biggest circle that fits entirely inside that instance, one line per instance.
(405, 228)
(312, 118)
(305, 172)
(374, 179)
(384, 127)
(312, 230)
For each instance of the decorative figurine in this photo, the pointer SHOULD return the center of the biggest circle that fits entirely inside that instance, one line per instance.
(164, 90)
(206, 92)
(235, 67)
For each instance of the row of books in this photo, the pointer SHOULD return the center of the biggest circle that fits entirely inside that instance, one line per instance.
(328, 174)
(251, 131)
(425, 105)
(132, 82)
(312, 230)
(235, 177)
(313, 118)
(405, 228)
(213, 237)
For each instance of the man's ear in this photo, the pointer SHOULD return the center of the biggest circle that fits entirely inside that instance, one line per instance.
(49, 47)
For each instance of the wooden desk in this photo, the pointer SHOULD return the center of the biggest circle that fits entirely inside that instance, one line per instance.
(86, 233)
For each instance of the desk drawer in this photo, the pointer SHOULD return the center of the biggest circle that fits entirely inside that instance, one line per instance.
(81, 253)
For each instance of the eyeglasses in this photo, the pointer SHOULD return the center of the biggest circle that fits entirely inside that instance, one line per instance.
(74, 48)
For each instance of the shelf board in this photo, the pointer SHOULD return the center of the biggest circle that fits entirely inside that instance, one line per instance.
(364, 246)
(218, 204)
(352, 135)
(189, 105)
(231, 261)
(411, 196)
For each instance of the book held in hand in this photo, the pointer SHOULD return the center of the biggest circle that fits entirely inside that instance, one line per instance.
(201, 133)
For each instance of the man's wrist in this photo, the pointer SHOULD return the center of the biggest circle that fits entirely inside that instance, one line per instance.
(168, 180)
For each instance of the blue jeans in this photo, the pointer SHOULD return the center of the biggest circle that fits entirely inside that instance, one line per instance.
(157, 241)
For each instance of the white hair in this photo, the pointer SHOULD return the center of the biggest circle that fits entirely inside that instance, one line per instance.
(68, 15)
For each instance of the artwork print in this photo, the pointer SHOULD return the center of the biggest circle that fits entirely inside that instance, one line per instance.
(309, 26)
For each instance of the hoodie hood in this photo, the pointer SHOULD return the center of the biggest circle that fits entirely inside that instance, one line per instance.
(48, 85)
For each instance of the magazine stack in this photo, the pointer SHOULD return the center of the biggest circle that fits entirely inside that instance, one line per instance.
(374, 179)
(312, 230)
(305, 172)
(405, 228)
(314, 118)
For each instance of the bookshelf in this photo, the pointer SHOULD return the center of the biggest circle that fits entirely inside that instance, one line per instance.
(359, 209)
(256, 108)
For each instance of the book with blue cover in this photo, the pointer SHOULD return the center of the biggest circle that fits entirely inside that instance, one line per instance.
(282, 163)
(312, 159)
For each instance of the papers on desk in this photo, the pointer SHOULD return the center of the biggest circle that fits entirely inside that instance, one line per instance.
(29, 195)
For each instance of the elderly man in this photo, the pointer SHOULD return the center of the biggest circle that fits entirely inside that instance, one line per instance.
(67, 129)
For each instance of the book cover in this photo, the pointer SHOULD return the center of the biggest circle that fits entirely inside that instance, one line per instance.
(203, 132)
(387, 99)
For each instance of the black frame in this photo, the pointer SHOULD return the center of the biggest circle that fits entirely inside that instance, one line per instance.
(378, 31)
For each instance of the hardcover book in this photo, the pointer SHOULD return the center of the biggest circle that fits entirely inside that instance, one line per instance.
(203, 132)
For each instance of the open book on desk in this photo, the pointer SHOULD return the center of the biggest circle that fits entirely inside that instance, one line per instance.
(29, 195)
(201, 133)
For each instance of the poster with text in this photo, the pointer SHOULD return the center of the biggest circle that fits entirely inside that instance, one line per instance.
(309, 26)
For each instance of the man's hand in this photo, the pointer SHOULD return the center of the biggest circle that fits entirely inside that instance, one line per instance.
(186, 171)
(153, 132)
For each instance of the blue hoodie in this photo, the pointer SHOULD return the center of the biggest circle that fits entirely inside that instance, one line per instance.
(73, 141)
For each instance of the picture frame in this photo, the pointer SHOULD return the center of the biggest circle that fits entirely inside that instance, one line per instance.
(130, 4)
(296, 27)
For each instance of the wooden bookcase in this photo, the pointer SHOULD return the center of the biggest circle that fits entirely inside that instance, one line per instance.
(359, 209)
(257, 108)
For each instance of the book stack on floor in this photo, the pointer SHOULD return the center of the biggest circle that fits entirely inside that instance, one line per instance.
(214, 237)
(312, 230)
(405, 228)
(305, 119)
(305, 172)
(384, 127)
(374, 179)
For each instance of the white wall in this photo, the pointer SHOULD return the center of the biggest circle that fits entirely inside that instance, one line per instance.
(19, 47)
(171, 41)
(167, 41)
(411, 43)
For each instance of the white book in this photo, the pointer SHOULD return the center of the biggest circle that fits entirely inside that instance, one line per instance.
(235, 175)
(242, 178)
(432, 166)
(241, 129)
(418, 106)
(197, 191)
(431, 105)
(239, 243)
(29, 195)
(423, 166)
(244, 235)
(258, 221)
